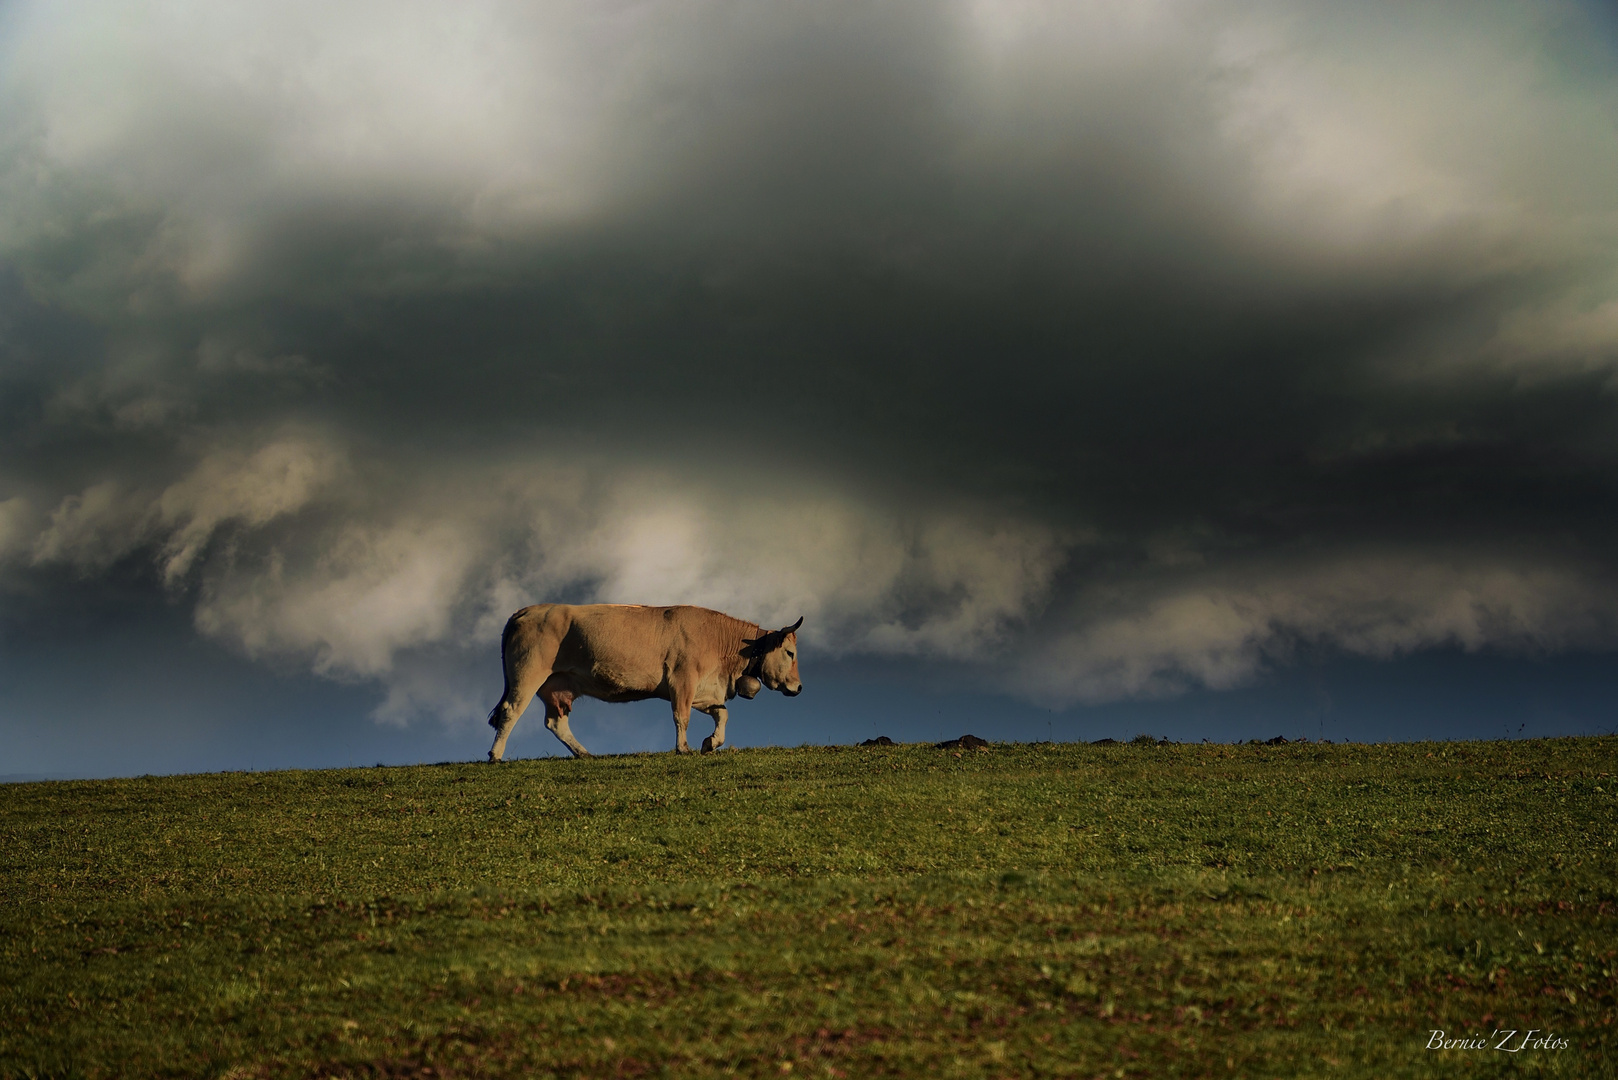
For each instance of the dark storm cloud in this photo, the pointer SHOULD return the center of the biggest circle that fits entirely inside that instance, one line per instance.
(1144, 341)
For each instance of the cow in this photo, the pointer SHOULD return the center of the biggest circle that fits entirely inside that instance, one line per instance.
(691, 657)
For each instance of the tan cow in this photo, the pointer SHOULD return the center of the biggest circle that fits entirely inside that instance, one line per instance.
(689, 656)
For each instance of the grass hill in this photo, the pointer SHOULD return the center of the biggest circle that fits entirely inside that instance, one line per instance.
(1030, 910)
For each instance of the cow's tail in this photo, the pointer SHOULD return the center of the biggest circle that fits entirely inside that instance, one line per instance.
(505, 691)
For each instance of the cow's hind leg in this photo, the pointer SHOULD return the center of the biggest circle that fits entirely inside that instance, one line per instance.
(527, 656)
(520, 690)
(558, 699)
(713, 742)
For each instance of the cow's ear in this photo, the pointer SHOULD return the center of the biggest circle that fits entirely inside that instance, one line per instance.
(785, 630)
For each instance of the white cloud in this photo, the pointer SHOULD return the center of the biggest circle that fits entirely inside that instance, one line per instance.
(369, 592)
(95, 528)
(462, 555)
(111, 519)
(250, 488)
(922, 578)
(1220, 630)
(1571, 333)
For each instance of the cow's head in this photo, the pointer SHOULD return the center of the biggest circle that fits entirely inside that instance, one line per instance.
(775, 660)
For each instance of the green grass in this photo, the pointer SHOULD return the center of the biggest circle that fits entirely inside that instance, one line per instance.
(1035, 910)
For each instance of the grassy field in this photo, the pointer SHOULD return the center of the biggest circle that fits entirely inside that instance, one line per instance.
(1033, 910)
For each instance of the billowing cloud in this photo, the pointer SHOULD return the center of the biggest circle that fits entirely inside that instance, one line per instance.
(108, 520)
(253, 489)
(1220, 631)
(1120, 348)
(447, 562)
(371, 592)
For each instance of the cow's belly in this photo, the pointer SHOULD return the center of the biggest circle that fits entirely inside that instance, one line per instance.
(607, 683)
(619, 696)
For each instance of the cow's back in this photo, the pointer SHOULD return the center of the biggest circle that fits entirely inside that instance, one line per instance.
(630, 646)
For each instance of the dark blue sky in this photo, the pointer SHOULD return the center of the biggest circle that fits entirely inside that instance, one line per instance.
(1213, 370)
(167, 701)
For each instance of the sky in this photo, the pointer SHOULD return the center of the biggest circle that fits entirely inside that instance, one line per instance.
(1203, 369)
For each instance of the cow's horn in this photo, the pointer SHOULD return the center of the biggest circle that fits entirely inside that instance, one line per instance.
(793, 628)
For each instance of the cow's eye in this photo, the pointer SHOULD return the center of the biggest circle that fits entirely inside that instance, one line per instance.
(792, 656)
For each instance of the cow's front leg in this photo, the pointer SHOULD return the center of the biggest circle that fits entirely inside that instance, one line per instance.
(713, 742)
(682, 691)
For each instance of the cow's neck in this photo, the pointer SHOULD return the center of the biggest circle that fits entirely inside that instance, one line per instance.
(751, 665)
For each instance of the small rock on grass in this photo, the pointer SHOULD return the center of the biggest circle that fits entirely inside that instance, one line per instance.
(880, 740)
(965, 742)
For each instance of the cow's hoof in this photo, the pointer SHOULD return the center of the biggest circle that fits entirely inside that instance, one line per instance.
(494, 758)
(707, 745)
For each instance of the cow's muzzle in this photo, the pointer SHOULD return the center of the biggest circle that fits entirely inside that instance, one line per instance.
(792, 693)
